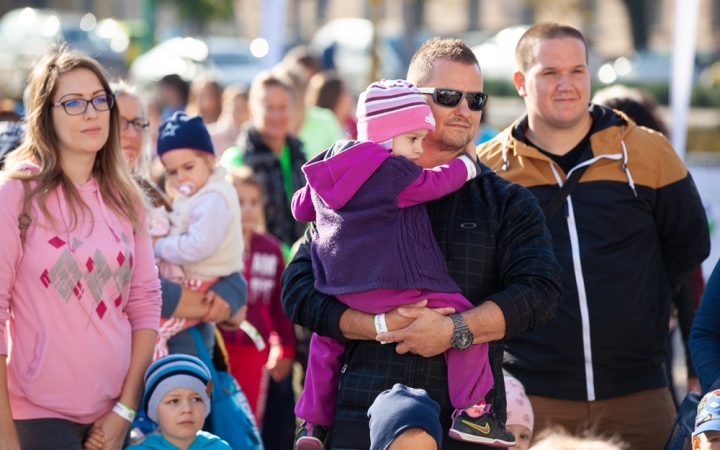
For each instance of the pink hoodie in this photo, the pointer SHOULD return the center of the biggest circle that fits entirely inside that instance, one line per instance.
(72, 298)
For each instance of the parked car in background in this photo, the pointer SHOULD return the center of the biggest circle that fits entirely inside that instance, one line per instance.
(497, 54)
(226, 59)
(351, 40)
(26, 33)
(646, 67)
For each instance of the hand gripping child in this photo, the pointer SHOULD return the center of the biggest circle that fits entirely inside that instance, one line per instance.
(374, 250)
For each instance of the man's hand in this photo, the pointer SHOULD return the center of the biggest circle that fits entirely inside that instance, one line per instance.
(428, 335)
(397, 321)
(113, 429)
(233, 324)
(219, 308)
(693, 385)
(278, 366)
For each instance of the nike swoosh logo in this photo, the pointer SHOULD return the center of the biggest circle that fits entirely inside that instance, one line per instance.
(484, 430)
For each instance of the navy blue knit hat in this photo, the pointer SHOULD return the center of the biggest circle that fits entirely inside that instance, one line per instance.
(176, 371)
(398, 409)
(183, 131)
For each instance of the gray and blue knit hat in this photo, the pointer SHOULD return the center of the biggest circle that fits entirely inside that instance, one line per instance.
(175, 371)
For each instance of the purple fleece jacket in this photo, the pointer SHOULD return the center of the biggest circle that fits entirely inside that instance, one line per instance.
(373, 231)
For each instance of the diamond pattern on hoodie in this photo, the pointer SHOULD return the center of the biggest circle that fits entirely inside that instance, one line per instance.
(65, 275)
(98, 274)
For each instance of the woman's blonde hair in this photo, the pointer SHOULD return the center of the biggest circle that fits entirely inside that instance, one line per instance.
(117, 187)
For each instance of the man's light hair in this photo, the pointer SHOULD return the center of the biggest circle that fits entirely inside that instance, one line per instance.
(525, 50)
(437, 48)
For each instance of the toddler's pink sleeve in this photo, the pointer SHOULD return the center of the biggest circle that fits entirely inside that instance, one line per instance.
(439, 181)
(302, 205)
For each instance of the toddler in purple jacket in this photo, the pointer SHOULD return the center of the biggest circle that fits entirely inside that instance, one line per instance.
(374, 250)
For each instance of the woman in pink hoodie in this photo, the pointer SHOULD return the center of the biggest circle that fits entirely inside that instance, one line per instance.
(78, 284)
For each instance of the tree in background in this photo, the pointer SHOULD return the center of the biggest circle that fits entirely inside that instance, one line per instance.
(202, 12)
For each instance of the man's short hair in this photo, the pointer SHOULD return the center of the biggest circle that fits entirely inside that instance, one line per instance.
(525, 50)
(438, 48)
(264, 80)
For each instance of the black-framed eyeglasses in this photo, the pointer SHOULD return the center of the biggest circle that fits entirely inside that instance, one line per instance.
(450, 98)
(140, 125)
(78, 106)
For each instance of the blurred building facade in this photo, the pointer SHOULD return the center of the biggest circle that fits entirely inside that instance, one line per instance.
(605, 22)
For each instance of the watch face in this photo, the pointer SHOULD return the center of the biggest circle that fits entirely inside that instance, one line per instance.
(462, 339)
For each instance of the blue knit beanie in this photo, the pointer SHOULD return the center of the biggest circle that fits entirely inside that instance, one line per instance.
(183, 131)
(175, 371)
(398, 409)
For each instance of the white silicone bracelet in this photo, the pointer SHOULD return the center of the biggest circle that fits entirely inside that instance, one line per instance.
(469, 164)
(124, 411)
(381, 326)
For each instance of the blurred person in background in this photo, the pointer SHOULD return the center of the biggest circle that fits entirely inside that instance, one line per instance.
(300, 61)
(267, 145)
(173, 93)
(235, 112)
(254, 358)
(298, 85)
(641, 108)
(321, 127)
(206, 99)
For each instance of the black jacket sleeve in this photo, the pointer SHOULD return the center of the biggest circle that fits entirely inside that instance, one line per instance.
(528, 270)
(682, 228)
(303, 304)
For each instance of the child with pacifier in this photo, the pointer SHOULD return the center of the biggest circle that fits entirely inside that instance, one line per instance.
(205, 239)
(374, 250)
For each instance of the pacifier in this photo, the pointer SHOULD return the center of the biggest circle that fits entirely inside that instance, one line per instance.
(187, 189)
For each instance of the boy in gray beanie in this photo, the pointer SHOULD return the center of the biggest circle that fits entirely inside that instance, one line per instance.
(178, 389)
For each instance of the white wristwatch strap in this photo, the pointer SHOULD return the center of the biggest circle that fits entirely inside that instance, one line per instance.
(124, 411)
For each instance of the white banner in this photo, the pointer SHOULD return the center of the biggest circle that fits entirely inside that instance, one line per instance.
(273, 30)
(683, 68)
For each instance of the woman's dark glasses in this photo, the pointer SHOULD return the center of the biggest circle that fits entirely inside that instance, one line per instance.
(450, 98)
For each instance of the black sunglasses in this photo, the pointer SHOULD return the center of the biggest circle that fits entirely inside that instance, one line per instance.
(450, 98)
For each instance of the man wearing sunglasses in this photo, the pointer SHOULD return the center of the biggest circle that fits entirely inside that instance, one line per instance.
(493, 237)
(627, 226)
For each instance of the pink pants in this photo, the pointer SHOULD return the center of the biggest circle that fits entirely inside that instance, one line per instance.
(469, 374)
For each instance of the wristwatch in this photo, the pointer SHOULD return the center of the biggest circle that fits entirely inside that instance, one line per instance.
(462, 338)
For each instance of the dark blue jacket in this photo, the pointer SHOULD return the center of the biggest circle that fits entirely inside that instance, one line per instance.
(705, 335)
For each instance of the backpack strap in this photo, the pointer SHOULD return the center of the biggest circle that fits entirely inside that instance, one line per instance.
(559, 199)
(25, 219)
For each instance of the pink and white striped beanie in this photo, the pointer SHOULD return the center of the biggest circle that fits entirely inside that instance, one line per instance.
(389, 108)
(519, 409)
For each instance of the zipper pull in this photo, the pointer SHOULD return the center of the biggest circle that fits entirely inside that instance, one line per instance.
(344, 368)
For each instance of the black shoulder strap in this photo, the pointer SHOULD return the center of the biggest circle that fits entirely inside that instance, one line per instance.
(557, 201)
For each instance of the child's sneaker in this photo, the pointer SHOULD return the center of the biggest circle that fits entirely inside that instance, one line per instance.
(310, 436)
(479, 426)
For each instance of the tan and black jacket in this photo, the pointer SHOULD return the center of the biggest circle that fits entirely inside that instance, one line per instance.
(628, 234)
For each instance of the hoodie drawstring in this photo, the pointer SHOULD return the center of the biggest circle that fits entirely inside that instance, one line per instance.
(625, 168)
(506, 162)
(106, 216)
